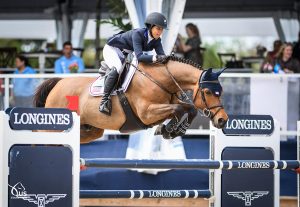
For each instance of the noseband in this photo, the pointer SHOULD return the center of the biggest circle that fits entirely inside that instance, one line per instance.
(207, 110)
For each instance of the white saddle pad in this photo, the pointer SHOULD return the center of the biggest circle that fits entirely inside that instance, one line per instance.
(97, 87)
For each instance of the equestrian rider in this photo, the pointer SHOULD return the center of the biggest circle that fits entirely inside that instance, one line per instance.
(136, 40)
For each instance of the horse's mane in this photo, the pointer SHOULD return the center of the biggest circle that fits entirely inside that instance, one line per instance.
(186, 61)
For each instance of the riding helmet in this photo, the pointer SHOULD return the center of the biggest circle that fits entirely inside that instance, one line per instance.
(157, 19)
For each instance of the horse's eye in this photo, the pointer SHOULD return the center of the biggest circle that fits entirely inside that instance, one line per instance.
(208, 92)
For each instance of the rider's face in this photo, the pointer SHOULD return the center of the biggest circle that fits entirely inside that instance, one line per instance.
(156, 31)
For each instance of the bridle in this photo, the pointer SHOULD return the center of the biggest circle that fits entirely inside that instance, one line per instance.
(206, 111)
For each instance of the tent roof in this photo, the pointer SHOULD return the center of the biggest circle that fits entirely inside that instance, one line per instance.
(45, 9)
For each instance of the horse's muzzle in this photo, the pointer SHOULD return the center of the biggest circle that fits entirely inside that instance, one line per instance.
(221, 123)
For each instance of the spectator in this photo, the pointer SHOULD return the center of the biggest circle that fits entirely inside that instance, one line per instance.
(267, 66)
(23, 88)
(276, 47)
(191, 48)
(296, 50)
(68, 63)
(285, 60)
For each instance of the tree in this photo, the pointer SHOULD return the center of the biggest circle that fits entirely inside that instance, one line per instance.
(118, 13)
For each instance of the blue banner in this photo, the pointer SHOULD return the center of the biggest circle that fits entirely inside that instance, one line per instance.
(40, 119)
(249, 125)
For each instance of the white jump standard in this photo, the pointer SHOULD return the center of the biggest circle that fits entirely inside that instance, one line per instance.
(242, 168)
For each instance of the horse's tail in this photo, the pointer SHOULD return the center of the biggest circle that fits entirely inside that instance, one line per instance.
(43, 91)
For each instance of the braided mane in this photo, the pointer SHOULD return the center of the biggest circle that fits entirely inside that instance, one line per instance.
(186, 61)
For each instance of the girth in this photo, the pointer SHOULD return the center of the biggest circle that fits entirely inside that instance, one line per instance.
(132, 122)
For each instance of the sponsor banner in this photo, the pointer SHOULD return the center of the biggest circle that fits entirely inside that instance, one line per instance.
(254, 164)
(40, 119)
(249, 125)
(165, 194)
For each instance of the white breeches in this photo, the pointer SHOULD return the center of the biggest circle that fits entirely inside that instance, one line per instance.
(112, 57)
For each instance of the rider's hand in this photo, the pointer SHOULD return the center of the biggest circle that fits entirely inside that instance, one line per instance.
(161, 59)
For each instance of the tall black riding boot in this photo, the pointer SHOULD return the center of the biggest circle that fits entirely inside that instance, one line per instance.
(109, 84)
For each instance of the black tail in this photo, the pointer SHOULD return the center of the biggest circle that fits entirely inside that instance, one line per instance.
(43, 91)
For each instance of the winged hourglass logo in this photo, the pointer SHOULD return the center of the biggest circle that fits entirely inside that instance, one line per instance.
(18, 191)
(248, 196)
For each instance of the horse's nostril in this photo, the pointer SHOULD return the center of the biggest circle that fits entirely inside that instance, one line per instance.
(221, 122)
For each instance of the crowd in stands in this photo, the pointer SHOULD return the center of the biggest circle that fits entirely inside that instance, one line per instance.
(284, 58)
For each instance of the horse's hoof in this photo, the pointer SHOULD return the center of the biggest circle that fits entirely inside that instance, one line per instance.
(167, 136)
(159, 129)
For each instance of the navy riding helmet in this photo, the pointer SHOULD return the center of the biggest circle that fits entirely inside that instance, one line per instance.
(157, 19)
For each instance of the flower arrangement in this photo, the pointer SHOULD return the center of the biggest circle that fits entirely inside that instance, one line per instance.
(73, 67)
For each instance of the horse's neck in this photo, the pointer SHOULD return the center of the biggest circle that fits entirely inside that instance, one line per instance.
(186, 75)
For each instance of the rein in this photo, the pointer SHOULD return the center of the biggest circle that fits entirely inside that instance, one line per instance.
(206, 111)
(153, 80)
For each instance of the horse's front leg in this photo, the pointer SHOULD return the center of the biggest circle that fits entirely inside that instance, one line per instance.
(185, 124)
(156, 113)
(171, 127)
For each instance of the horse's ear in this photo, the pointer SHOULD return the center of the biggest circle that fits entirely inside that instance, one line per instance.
(220, 71)
(208, 74)
(209, 71)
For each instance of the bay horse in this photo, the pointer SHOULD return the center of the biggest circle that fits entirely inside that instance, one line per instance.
(157, 92)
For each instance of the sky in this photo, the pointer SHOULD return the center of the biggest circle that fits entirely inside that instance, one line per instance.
(250, 30)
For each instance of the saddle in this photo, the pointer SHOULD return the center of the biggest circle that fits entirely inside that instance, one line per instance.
(132, 123)
(97, 87)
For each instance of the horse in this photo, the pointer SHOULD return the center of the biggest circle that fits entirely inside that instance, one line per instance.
(173, 90)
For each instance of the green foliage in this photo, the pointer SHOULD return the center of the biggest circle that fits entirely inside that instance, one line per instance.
(117, 22)
(118, 13)
(211, 59)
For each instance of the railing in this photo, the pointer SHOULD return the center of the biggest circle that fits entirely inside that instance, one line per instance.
(8, 77)
(45, 70)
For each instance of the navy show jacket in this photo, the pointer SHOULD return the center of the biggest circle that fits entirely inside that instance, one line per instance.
(137, 40)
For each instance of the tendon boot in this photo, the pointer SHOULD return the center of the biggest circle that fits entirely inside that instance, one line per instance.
(109, 84)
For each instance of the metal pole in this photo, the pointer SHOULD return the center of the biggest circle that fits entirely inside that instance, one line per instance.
(131, 194)
(6, 92)
(298, 158)
(191, 164)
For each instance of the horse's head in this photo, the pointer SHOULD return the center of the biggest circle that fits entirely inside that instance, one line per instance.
(208, 96)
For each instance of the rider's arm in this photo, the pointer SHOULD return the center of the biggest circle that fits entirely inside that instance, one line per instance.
(159, 49)
(137, 42)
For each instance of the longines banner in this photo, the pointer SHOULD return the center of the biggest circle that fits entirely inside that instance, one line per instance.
(249, 125)
(40, 119)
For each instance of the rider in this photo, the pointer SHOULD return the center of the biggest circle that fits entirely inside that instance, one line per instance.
(136, 40)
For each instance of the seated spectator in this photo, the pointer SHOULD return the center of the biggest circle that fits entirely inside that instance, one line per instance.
(191, 48)
(23, 88)
(69, 63)
(267, 66)
(285, 61)
(296, 50)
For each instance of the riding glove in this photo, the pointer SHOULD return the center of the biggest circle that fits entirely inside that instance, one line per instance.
(161, 59)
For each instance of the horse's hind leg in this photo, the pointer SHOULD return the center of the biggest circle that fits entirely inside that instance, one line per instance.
(89, 133)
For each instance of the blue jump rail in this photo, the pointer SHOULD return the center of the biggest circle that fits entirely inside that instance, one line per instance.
(190, 164)
(139, 194)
